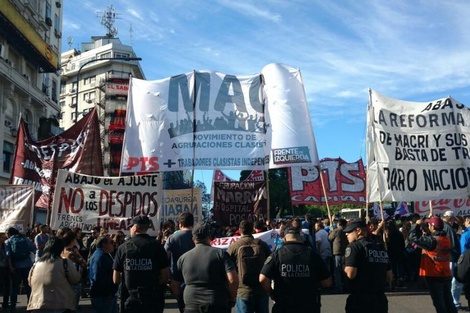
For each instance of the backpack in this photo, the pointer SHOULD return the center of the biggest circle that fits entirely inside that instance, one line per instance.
(19, 247)
(250, 260)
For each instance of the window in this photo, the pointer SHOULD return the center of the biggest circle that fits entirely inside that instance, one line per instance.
(74, 101)
(121, 55)
(45, 84)
(62, 88)
(48, 9)
(89, 96)
(89, 80)
(105, 55)
(54, 90)
(62, 103)
(8, 152)
(56, 25)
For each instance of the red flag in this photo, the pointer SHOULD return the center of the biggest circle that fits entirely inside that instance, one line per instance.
(77, 149)
(256, 175)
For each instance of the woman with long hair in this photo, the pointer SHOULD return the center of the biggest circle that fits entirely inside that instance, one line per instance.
(72, 253)
(51, 280)
(118, 239)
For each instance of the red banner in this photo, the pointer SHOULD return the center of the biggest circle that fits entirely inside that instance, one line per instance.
(77, 149)
(343, 182)
(234, 201)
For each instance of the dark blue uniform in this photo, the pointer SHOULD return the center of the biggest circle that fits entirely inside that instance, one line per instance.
(368, 287)
(296, 271)
(140, 259)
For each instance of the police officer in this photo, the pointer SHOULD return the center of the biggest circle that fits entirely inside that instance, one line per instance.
(145, 266)
(297, 272)
(368, 268)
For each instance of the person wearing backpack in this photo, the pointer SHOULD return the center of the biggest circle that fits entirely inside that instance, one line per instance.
(249, 255)
(297, 272)
(18, 248)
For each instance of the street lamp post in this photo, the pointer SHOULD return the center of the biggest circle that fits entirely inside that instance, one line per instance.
(86, 63)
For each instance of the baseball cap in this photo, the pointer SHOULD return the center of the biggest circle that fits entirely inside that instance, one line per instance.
(201, 230)
(140, 220)
(353, 224)
(436, 221)
(449, 213)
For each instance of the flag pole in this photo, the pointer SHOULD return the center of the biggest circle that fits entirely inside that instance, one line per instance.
(268, 202)
(377, 176)
(324, 193)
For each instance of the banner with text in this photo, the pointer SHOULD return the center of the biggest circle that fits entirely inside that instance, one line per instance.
(235, 201)
(16, 207)
(290, 138)
(111, 202)
(344, 183)
(417, 150)
(179, 201)
(207, 120)
(77, 149)
(268, 236)
(458, 206)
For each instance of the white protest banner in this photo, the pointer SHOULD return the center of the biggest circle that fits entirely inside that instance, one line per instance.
(207, 120)
(179, 201)
(111, 202)
(290, 136)
(16, 207)
(417, 151)
(267, 236)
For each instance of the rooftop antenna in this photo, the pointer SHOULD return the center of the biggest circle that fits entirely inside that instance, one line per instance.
(108, 18)
(70, 41)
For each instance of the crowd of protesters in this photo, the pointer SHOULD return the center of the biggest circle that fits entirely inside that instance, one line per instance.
(85, 262)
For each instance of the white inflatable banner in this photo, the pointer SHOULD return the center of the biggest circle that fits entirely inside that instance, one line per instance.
(417, 151)
(208, 120)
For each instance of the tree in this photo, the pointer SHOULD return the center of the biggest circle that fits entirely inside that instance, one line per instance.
(278, 193)
(206, 198)
(175, 180)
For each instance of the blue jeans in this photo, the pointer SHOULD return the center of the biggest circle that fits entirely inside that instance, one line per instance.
(104, 304)
(20, 275)
(441, 296)
(258, 304)
(456, 287)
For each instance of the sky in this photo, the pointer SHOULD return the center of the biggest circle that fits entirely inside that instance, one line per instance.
(408, 50)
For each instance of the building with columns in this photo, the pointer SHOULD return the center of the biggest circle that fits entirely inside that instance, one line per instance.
(30, 45)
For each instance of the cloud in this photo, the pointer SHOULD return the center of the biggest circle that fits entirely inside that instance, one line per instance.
(411, 50)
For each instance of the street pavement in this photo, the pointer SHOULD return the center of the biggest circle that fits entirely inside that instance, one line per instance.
(401, 301)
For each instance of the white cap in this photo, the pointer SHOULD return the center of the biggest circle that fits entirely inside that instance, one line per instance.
(449, 213)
